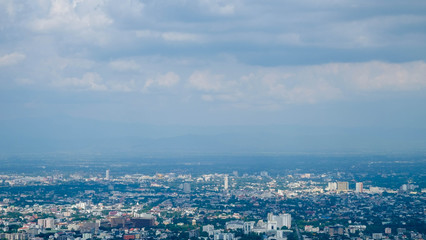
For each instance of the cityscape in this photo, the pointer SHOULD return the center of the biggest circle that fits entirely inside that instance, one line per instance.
(212, 120)
(282, 204)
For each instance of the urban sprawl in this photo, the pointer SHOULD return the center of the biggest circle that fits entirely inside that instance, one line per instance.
(208, 206)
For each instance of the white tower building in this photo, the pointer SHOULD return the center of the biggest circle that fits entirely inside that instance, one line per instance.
(359, 187)
(286, 220)
(332, 186)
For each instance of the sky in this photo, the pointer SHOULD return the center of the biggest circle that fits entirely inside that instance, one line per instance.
(219, 70)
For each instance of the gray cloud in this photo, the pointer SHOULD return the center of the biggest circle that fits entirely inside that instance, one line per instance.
(245, 55)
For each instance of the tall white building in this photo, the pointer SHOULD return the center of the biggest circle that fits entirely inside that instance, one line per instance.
(332, 186)
(277, 222)
(107, 174)
(286, 220)
(359, 187)
(225, 184)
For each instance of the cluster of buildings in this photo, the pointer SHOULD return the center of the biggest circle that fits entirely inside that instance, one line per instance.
(276, 227)
(207, 206)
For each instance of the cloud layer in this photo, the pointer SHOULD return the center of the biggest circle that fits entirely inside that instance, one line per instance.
(242, 55)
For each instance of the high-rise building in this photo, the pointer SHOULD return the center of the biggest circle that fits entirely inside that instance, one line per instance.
(248, 226)
(107, 174)
(342, 186)
(332, 186)
(46, 223)
(277, 222)
(286, 220)
(359, 187)
(225, 184)
(187, 187)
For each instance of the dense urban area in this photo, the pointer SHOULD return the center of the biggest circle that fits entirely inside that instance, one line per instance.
(199, 200)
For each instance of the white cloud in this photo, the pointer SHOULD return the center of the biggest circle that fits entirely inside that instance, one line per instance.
(205, 81)
(289, 86)
(169, 36)
(263, 86)
(386, 76)
(73, 15)
(308, 84)
(11, 59)
(166, 80)
(90, 81)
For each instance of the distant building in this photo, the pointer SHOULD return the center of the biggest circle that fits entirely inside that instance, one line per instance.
(145, 221)
(117, 221)
(272, 222)
(129, 236)
(225, 184)
(306, 175)
(209, 229)
(88, 227)
(408, 187)
(336, 230)
(248, 226)
(342, 186)
(376, 190)
(15, 236)
(359, 187)
(234, 225)
(388, 230)
(332, 186)
(107, 174)
(223, 236)
(286, 220)
(46, 223)
(377, 235)
(277, 222)
(195, 233)
(187, 187)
